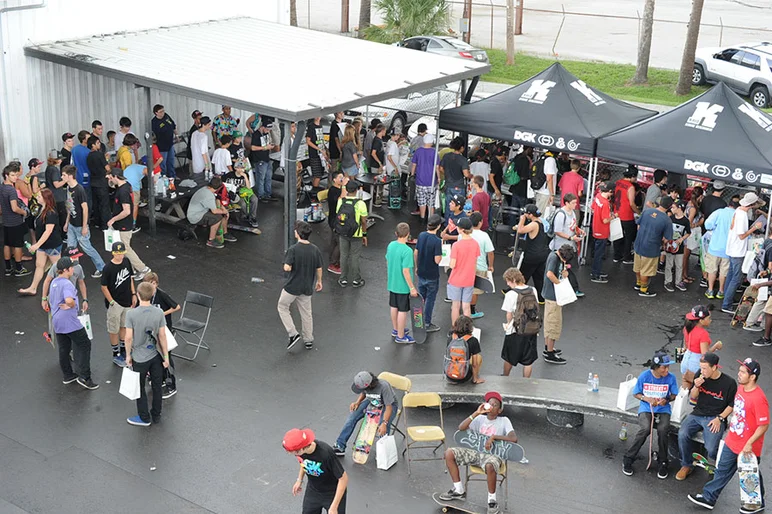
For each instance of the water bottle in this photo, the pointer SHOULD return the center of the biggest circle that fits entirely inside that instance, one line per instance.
(28, 246)
(595, 383)
(305, 214)
(590, 383)
(162, 187)
(257, 280)
(623, 432)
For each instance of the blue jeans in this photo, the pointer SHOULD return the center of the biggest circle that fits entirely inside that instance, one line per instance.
(76, 238)
(597, 260)
(689, 427)
(168, 163)
(450, 191)
(428, 289)
(725, 469)
(353, 419)
(733, 280)
(263, 175)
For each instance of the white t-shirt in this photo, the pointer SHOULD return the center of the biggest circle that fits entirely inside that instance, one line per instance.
(498, 426)
(510, 304)
(550, 168)
(199, 145)
(481, 168)
(736, 247)
(221, 159)
(392, 149)
(119, 139)
(486, 245)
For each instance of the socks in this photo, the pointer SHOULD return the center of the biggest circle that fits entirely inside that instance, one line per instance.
(474, 310)
(8, 264)
(116, 350)
(491, 497)
(458, 487)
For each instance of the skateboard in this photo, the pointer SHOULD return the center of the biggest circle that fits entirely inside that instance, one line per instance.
(703, 463)
(484, 284)
(748, 471)
(458, 506)
(744, 307)
(367, 431)
(417, 315)
(502, 449)
(244, 228)
(395, 193)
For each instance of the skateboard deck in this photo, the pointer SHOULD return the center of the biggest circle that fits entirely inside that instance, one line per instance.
(245, 228)
(395, 193)
(484, 284)
(502, 449)
(417, 317)
(744, 307)
(703, 463)
(458, 506)
(367, 431)
(750, 490)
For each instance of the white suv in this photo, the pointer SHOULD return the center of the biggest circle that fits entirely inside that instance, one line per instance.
(747, 69)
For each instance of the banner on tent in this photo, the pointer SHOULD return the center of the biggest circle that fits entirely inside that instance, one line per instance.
(546, 140)
(724, 172)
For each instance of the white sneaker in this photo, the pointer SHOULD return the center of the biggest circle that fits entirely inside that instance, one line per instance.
(753, 328)
(139, 276)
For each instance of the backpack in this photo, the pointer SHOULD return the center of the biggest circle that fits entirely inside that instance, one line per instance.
(457, 359)
(549, 224)
(511, 176)
(346, 220)
(527, 317)
(538, 177)
(757, 266)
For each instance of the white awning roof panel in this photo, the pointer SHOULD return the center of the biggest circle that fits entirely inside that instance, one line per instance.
(276, 70)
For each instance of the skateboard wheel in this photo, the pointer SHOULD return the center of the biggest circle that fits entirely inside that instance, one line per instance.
(444, 509)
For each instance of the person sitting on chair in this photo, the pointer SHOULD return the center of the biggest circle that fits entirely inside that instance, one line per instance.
(486, 421)
(241, 194)
(205, 210)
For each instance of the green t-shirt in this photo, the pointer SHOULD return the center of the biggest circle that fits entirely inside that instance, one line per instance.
(360, 211)
(398, 257)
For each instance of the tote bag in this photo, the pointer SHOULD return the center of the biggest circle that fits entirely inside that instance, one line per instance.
(111, 236)
(615, 230)
(85, 320)
(564, 293)
(625, 398)
(129, 384)
(386, 452)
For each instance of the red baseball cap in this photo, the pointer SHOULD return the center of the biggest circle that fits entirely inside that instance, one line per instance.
(297, 439)
(494, 395)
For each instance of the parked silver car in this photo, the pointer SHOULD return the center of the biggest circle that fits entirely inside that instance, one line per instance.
(747, 69)
(444, 45)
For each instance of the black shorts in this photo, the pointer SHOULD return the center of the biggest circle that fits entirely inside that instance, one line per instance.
(317, 170)
(210, 219)
(14, 236)
(519, 349)
(400, 301)
(314, 502)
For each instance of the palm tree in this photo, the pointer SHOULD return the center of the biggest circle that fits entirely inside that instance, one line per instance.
(644, 45)
(690, 48)
(365, 6)
(408, 18)
(294, 13)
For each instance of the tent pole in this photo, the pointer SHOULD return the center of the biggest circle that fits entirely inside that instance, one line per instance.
(430, 208)
(588, 207)
(290, 151)
(769, 216)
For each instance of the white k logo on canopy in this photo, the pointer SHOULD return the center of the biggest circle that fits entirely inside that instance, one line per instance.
(705, 116)
(588, 93)
(756, 116)
(538, 91)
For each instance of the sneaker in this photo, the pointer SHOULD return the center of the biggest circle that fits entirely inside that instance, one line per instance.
(710, 294)
(617, 260)
(753, 328)
(228, 238)
(135, 230)
(309, 345)
(703, 282)
(701, 501)
(662, 472)
(762, 342)
(477, 315)
(637, 287)
(727, 311)
(293, 340)
(579, 294)
(253, 224)
(681, 286)
(406, 339)
(647, 294)
(358, 283)
(554, 358)
(342, 283)
(556, 351)
(168, 393)
(452, 495)
(213, 243)
(627, 468)
(684, 472)
(139, 276)
(69, 380)
(333, 269)
(119, 361)
(88, 384)
(415, 213)
(669, 287)
(448, 300)
(627, 261)
(431, 327)
(720, 295)
(340, 452)
(598, 279)
(22, 272)
(493, 508)
(661, 270)
(603, 275)
(96, 274)
(743, 510)
(8, 272)
(137, 422)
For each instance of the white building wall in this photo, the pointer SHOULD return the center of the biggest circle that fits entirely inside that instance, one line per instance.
(39, 101)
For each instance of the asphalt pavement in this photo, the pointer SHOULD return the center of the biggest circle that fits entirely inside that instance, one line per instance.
(65, 450)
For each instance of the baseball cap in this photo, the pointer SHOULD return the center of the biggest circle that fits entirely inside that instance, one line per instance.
(464, 224)
(196, 114)
(710, 358)
(55, 155)
(37, 162)
(394, 131)
(753, 367)
(236, 134)
(493, 395)
(119, 248)
(458, 199)
(297, 439)
(665, 202)
(661, 359)
(225, 105)
(532, 209)
(428, 139)
(719, 185)
(631, 171)
(698, 312)
(605, 187)
(67, 135)
(73, 252)
(63, 263)
(435, 220)
(751, 198)
(117, 172)
(362, 381)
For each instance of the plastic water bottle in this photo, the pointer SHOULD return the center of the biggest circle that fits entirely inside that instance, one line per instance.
(623, 432)
(28, 246)
(590, 383)
(595, 383)
(162, 187)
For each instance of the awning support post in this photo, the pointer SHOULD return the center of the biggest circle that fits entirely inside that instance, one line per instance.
(290, 154)
(149, 163)
(586, 219)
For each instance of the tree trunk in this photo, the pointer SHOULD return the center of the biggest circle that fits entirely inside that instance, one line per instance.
(467, 36)
(294, 13)
(344, 5)
(510, 32)
(690, 48)
(364, 16)
(644, 45)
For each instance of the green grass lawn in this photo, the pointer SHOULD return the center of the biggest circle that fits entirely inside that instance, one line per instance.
(612, 79)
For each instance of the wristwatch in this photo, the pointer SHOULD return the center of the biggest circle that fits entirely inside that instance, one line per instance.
(721, 419)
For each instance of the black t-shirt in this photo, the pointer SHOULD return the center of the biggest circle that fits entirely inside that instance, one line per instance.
(715, 395)
(234, 150)
(51, 175)
(164, 302)
(123, 195)
(76, 197)
(260, 139)
(66, 157)
(454, 165)
(117, 279)
(498, 174)
(429, 246)
(334, 134)
(305, 259)
(164, 132)
(193, 128)
(333, 195)
(55, 239)
(474, 348)
(685, 228)
(314, 132)
(232, 178)
(523, 167)
(323, 468)
(711, 203)
(378, 148)
(96, 163)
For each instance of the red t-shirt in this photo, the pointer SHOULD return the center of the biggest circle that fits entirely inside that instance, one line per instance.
(601, 210)
(571, 182)
(751, 410)
(156, 156)
(621, 202)
(481, 202)
(695, 338)
(465, 252)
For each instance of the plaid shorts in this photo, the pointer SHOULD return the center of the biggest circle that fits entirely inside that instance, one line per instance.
(469, 457)
(424, 195)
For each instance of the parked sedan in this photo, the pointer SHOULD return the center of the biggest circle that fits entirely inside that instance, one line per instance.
(444, 45)
(747, 69)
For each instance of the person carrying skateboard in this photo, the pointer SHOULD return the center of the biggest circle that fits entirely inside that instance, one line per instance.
(749, 423)
(523, 322)
(327, 480)
(696, 342)
(714, 394)
(369, 388)
(486, 421)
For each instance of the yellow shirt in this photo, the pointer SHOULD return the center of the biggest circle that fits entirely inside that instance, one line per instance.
(124, 157)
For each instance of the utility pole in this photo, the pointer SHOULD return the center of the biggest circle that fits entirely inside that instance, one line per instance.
(344, 13)
(468, 16)
(511, 31)
(519, 18)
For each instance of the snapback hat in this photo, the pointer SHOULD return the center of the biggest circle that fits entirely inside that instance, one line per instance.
(428, 139)
(67, 135)
(753, 367)
(118, 248)
(195, 114)
(661, 359)
(698, 312)
(605, 187)
(73, 252)
(64, 263)
(37, 162)
(362, 381)
(464, 224)
(457, 199)
(719, 185)
(495, 396)
(297, 439)
(117, 172)
(710, 358)
(532, 210)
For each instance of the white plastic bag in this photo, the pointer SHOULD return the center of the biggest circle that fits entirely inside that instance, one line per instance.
(564, 292)
(615, 230)
(680, 406)
(171, 342)
(85, 320)
(445, 260)
(111, 236)
(625, 398)
(129, 384)
(386, 452)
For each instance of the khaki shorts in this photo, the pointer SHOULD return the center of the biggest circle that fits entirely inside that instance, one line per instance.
(645, 266)
(470, 457)
(768, 306)
(715, 265)
(116, 318)
(553, 320)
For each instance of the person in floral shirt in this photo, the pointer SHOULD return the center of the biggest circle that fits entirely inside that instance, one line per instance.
(224, 125)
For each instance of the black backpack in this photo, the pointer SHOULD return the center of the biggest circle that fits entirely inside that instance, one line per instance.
(346, 220)
(527, 317)
(538, 178)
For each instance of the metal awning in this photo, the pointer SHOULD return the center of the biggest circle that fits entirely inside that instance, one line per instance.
(277, 70)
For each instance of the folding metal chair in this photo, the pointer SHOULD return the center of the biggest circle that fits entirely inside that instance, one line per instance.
(189, 327)
(502, 478)
(423, 434)
(399, 383)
